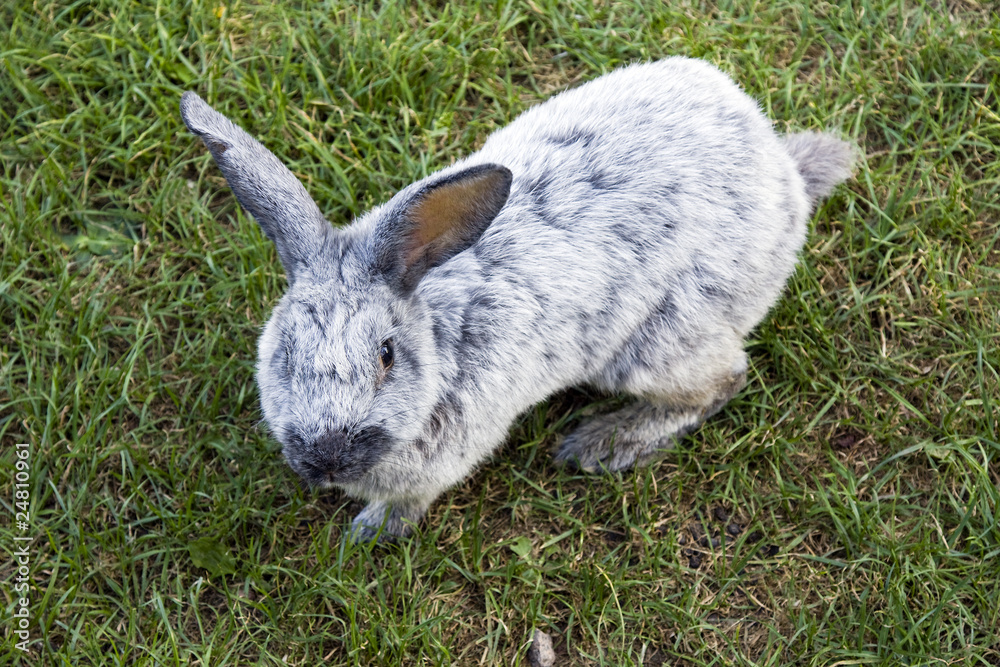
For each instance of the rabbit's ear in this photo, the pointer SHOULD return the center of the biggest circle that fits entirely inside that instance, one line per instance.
(429, 223)
(262, 184)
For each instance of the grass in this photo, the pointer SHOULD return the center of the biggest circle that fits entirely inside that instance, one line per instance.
(842, 510)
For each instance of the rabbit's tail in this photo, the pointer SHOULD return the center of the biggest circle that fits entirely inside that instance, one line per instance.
(824, 160)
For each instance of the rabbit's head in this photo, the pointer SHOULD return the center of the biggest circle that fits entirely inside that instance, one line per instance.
(348, 368)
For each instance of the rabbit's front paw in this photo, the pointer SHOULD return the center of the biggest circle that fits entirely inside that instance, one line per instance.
(384, 522)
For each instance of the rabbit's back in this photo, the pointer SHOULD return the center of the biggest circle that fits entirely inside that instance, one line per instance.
(659, 185)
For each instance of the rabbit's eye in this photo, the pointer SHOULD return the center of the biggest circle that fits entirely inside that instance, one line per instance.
(386, 354)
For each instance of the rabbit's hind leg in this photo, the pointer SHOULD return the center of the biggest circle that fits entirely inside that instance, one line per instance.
(641, 432)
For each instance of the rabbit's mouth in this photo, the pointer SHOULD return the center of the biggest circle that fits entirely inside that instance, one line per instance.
(336, 457)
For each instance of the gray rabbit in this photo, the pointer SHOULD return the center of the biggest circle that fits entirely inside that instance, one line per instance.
(626, 235)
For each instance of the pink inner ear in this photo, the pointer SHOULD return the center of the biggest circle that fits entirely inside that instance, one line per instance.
(443, 216)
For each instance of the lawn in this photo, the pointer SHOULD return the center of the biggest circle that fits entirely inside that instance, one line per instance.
(842, 510)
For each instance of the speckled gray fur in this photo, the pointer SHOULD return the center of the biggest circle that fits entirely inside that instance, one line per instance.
(653, 218)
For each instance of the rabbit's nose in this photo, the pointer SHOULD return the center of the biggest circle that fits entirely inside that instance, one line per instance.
(318, 462)
(337, 457)
(332, 451)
